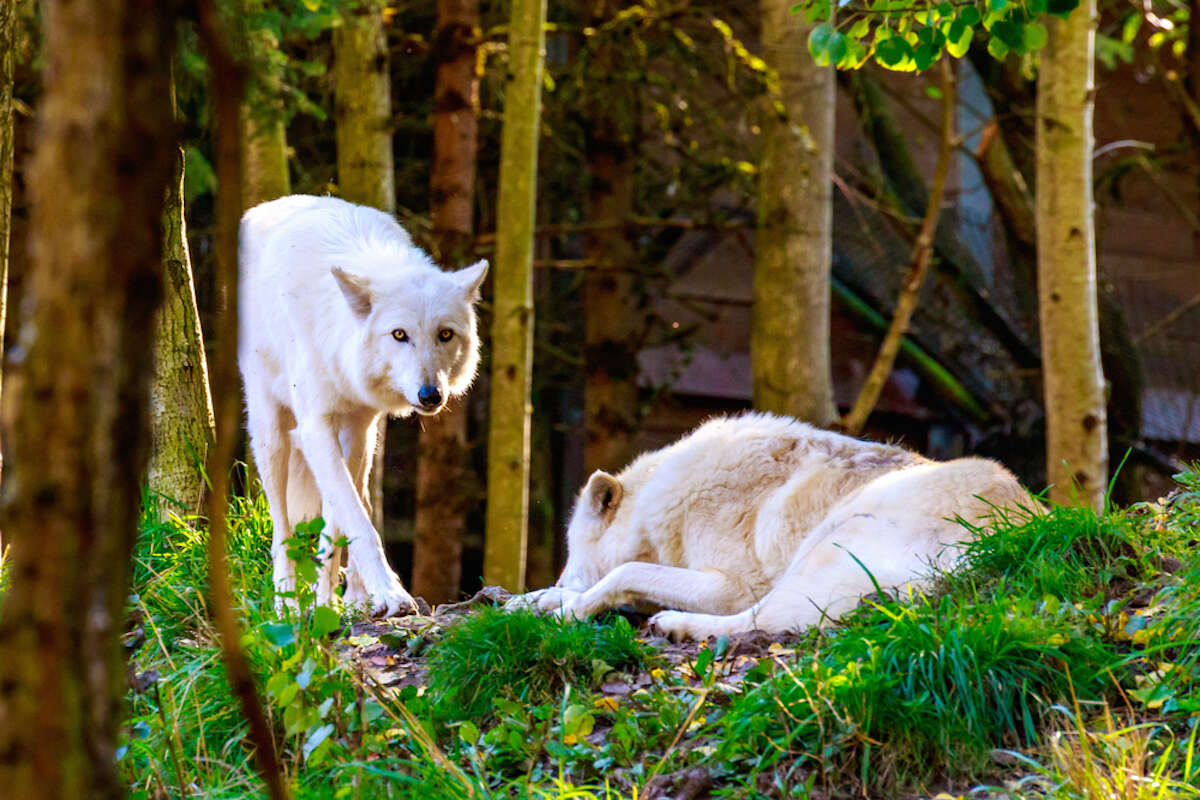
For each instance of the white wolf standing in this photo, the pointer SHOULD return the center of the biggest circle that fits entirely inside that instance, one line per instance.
(342, 319)
(761, 522)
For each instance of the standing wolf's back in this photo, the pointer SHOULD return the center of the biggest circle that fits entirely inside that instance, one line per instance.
(290, 235)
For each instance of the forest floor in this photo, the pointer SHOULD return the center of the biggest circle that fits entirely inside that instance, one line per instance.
(1062, 660)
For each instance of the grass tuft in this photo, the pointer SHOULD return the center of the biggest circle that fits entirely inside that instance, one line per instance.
(524, 657)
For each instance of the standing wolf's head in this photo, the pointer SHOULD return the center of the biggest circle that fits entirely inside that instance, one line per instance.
(418, 345)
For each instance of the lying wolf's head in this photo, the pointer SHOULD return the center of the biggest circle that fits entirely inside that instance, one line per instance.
(418, 344)
(599, 538)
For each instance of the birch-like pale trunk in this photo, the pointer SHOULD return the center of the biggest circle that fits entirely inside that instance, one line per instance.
(789, 337)
(363, 119)
(1076, 440)
(512, 325)
(443, 479)
(181, 412)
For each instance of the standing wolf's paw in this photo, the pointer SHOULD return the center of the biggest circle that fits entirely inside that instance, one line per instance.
(386, 597)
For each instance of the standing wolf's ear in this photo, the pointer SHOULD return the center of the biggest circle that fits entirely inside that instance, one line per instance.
(355, 290)
(471, 279)
(603, 493)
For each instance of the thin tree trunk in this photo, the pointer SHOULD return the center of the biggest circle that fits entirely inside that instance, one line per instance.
(922, 255)
(364, 144)
(8, 16)
(611, 316)
(789, 340)
(442, 464)
(97, 183)
(264, 166)
(180, 403)
(512, 325)
(226, 89)
(1076, 441)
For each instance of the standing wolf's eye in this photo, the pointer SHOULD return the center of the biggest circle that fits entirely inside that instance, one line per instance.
(445, 335)
(400, 335)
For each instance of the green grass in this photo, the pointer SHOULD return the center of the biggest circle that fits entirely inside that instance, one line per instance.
(524, 657)
(1064, 639)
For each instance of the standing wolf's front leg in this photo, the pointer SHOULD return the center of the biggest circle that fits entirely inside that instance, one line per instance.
(669, 587)
(341, 497)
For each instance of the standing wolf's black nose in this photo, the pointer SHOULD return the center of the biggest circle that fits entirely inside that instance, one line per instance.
(429, 395)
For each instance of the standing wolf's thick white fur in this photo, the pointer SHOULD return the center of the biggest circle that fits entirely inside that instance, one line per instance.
(342, 319)
(755, 522)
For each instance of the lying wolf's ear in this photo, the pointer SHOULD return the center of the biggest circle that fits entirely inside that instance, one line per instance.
(471, 279)
(603, 493)
(355, 290)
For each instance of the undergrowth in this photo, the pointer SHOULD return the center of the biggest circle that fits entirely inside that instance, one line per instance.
(1061, 660)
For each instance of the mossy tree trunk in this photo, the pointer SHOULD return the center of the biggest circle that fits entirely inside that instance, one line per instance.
(443, 479)
(78, 457)
(512, 325)
(789, 338)
(364, 142)
(611, 315)
(1076, 442)
(265, 167)
(180, 403)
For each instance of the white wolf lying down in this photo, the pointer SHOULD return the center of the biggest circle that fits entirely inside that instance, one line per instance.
(342, 319)
(754, 523)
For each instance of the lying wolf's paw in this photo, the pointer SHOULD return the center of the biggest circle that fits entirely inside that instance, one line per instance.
(675, 625)
(553, 599)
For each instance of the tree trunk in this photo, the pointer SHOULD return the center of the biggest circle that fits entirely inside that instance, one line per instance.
(1076, 448)
(442, 462)
(789, 338)
(180, 403)
(611, 318)
(8, 16)
(102, 168)
(227, 84)
(264, 165)
(364, 143)
(512, 324)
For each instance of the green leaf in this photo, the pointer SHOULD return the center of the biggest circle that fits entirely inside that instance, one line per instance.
(861, 28)
(304, 679)
(970, 15)
(1035, 36)
(578, 721)
(316, 737)
(818, 43)
(1061, 8)
(1010, 33)
(933, 93)
(924, 55)
(325, 621)
(946, 9)
(958, 44)
(892, 52)
(279, 634)
(704, 660)
(997, 48)
(468, 731)
(837, 48)
(996, 6)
